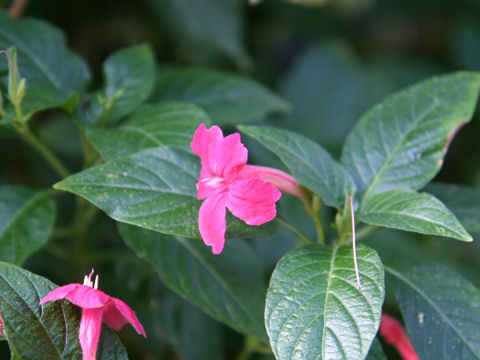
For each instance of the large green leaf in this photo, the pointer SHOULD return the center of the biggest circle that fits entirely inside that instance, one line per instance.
(227, 98)
(412, 211)
(441, 310)
(164, 124)
(314, 308)
(51, 70)
(463, 201)
(228, 287)
(44, 332)
(26, 222)
(310, 164)
(401, 142)
(154, 189)
(208, 27)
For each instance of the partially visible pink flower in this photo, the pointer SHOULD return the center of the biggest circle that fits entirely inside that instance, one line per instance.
(2, 327)
(393, 333)
(97, 307)
(226, 181)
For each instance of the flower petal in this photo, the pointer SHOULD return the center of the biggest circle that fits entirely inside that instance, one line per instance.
(204, 144)
(117, 313)
(221, 157)
(212, 223)
(253, 201)
(59, 293)
(89, 332)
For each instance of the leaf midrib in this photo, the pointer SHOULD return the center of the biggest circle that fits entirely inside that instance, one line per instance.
(430, 302)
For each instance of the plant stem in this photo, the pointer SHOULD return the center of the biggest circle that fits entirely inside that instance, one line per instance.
(317, 218)
(17, 7)
(301, 236)
(47, 154)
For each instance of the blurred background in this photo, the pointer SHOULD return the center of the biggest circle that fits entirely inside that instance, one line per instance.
(330, 59)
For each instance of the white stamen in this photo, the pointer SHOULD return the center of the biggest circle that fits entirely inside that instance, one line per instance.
(96, 283)
(213, 181)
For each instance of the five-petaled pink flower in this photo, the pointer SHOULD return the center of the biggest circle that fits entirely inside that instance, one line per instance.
(97, 307)
(226, 181)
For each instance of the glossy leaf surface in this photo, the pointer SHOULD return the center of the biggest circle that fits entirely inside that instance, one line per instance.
(310, 164)
(401, 142)
(164, 124)
(26, 222)
(412, 211)
(229, 286)
(441, 310)
(314, 308)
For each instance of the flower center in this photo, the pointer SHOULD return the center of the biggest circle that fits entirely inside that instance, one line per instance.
(213, 181)
(87, 280)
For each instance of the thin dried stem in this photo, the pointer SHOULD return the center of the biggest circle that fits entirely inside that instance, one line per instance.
(354, 245)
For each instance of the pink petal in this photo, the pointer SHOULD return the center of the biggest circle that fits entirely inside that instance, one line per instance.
(204, 144)
(89, 333)
(221, 157)
(253, 201)
(208, 184)
(231, 156)
(117, 313)
(87, 297)
(281, 180)
(59, 293)
(212, 223)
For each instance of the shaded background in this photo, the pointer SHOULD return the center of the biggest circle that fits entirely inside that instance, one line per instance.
(331, 62)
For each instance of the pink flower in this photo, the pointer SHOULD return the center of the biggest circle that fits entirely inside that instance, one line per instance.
(226, 181)
(393, 333)
(97, 307)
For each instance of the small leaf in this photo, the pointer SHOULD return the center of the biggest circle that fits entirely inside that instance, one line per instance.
(26, 222)
(310, 164)
(44, 332)
(130, 77)
(164, 124)
(401, 142)
(441, 310)
(314, 309)
(463, 201)
(52, 71)
(227, 98)
(412, 211)
(228, 287)
(153, 189)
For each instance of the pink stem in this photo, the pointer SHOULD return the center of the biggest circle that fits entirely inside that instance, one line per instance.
(277, 178)
(393, 333)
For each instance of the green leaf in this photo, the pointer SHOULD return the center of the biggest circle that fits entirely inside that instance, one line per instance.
(153, 189)
(441, 310)
(401, 142)
(412, 211)
(26, 222)
(164, 124)
(228, 287)
(44, 332)
(310, 164)
(52, 71)
(129, 78)
(227, 98)
(463, 201)
(209, 27)
(314, 309)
